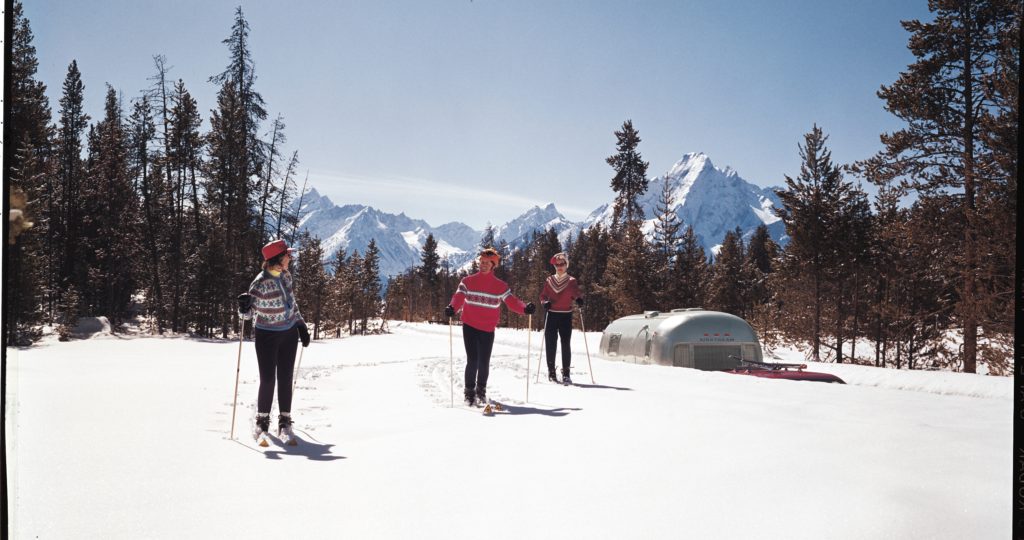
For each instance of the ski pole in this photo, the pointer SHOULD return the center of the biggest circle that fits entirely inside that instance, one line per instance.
(529, 347)
(543, 346)
(295, 376)
(238, 368)
(451, 364)
(587, 347)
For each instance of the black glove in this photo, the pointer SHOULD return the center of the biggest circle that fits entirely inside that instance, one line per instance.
(529, 309)
(244, 302)
(303, 333)
(547, 304)
(449, 311)
(579, 301)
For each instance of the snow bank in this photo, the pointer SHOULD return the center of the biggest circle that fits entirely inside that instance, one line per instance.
(935, 382)
(88, 327)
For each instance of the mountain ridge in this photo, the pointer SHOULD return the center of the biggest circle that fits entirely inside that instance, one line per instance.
(713, 201)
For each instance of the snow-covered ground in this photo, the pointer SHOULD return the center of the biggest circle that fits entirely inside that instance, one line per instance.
(128, 438)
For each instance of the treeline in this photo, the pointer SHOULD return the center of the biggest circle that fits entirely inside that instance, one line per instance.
(141, 210)
(922, 275)
(346, 300)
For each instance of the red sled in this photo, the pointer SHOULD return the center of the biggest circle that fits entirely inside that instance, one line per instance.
(792, 372)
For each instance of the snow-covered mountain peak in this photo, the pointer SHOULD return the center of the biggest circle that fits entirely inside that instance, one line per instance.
(517, 232)
(691, 161)
(711, 200)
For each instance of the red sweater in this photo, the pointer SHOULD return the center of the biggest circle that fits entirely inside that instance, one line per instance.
(561, 293)
(480, 296)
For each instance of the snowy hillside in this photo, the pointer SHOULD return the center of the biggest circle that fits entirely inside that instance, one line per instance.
(519, 231)
(124, 438)
(713, 201)
(399, 238)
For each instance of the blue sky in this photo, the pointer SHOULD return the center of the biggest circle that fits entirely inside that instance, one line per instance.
(477, 110)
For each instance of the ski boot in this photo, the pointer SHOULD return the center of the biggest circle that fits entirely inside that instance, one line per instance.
(566, 380)
(552, 377)
(470, 398)
(262, 426)
(284, 429)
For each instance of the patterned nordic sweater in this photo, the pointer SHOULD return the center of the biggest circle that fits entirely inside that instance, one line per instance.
(561, 292)
(479, 297)
(273, 302)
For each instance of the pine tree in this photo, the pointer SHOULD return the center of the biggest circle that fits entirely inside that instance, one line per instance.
(354, 292)
(311, 283)
(811, 204)
(65, 222)
(235, 162)
(152, 190)
(370, 284)
(429, 280)
(630, 180)
(628, 274)
(690, 273)
(589, 259)
(997, 195)
(267, 188)
(666, 244)
(27, 164)
(286, 197)
(487, 239)
(761, 259)
(543, 247)
(944, 97)
(729, 281)
(338, 297)
(108, 234)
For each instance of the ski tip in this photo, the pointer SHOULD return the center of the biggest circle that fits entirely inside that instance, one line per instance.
(264, 443)
(293, 442)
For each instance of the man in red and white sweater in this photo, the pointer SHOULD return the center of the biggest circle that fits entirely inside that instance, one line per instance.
(479, 297)
(559, 292)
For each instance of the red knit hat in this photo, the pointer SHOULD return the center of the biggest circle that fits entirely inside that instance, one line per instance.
(560, 257)
(275, 248)
(490, 254)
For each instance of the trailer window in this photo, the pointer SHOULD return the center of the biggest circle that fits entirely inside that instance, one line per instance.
(715, 357)
(682, 356)
(613, 344)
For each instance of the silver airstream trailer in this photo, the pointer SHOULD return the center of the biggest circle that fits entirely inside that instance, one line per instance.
(693, 338)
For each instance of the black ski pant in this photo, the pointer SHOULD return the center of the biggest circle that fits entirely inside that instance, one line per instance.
(558, 325)
(478, 358)
(275, 353)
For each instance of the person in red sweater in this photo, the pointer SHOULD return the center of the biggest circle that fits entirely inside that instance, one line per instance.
(559, 292)
(479, 298)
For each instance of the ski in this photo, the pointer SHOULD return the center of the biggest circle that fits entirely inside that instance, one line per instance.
(492, 407)
(288, 437)
(263, 440)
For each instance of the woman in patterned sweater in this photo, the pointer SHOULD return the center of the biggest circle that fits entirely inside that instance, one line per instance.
(479, 297)
(559, 292)
(270, 303)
